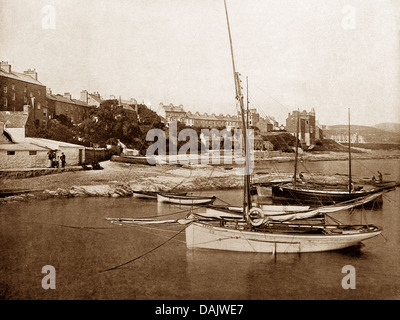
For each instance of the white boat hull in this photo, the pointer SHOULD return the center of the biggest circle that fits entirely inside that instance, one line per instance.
(207, 236)
(185, 200)
(140, 195)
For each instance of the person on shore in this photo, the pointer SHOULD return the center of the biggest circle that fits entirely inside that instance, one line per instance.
(63, 161)
(50, 159)
(373, 180)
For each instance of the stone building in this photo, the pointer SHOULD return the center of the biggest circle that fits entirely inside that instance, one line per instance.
(173, 113)
(307, 128)
(15, 151)
(74, 109)
(91, 99)
(23, 91)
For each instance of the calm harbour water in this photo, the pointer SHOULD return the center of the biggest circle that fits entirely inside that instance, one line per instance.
(73, 236)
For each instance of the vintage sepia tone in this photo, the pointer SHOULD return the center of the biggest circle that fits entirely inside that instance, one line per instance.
(199, 150)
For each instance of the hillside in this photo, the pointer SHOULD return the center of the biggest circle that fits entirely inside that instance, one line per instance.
(389, 126)
(366, 134)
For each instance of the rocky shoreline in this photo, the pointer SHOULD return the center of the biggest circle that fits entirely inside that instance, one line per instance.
(121, 179)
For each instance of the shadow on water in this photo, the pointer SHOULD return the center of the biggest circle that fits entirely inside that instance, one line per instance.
(354, 251)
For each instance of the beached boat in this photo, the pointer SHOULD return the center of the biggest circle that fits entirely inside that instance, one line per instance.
(185, 200)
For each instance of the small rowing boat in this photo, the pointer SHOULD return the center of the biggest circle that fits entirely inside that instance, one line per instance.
(185, 199)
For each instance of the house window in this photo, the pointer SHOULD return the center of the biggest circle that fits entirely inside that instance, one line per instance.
(5, 102)
(5, 89)
(32, 153)
(13, 87)
(25, 99)
(13, 97)
(10, 153)
(38, 93)
(25, 89)
(31, 94)
(38, 105)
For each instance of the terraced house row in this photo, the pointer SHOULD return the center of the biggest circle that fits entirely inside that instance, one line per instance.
(23, 92)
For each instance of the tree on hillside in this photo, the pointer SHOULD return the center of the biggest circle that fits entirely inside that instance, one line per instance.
(58, 130)
(149, 117)
(110, 121)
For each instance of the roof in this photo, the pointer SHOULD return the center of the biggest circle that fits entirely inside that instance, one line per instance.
(52, 144)
(23, 146)
(172, 108)
(95, 97)
(13, 119)
(20, 77)
(60, 98)
(214, 117)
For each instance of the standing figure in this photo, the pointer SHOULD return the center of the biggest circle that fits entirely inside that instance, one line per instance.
(62, 158)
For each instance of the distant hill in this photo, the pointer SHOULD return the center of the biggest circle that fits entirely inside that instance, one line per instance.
(389, 126)
(365, 133)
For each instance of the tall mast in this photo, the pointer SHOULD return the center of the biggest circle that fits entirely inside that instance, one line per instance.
(239, 97)
(247, 102)
(348, 110)
(297, 148)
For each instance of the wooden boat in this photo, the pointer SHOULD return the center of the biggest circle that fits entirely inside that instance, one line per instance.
(278, 238)
(153, 194)
(300, 194)
(323, 194)
(185, 199)
(286, 212)
(264, 189)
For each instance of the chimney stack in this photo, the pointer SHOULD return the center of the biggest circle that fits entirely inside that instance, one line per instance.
(49, 92)
(32, 73)
(5, 66)
(67, 95)
(84, 96)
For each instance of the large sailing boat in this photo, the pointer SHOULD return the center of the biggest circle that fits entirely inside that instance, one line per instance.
(253, 233)
(300, 193)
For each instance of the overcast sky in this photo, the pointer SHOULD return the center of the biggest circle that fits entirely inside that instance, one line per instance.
(329, 55)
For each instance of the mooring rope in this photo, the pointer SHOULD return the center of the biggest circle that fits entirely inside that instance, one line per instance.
(144, 254)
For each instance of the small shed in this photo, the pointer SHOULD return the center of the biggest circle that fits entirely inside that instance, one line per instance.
(74, 153)
(22, 155)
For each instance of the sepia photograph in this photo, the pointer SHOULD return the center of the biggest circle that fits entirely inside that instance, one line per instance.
(199, 155)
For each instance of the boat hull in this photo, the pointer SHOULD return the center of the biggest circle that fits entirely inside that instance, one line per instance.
(207, 236)
(185, 200)
(298, 195)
